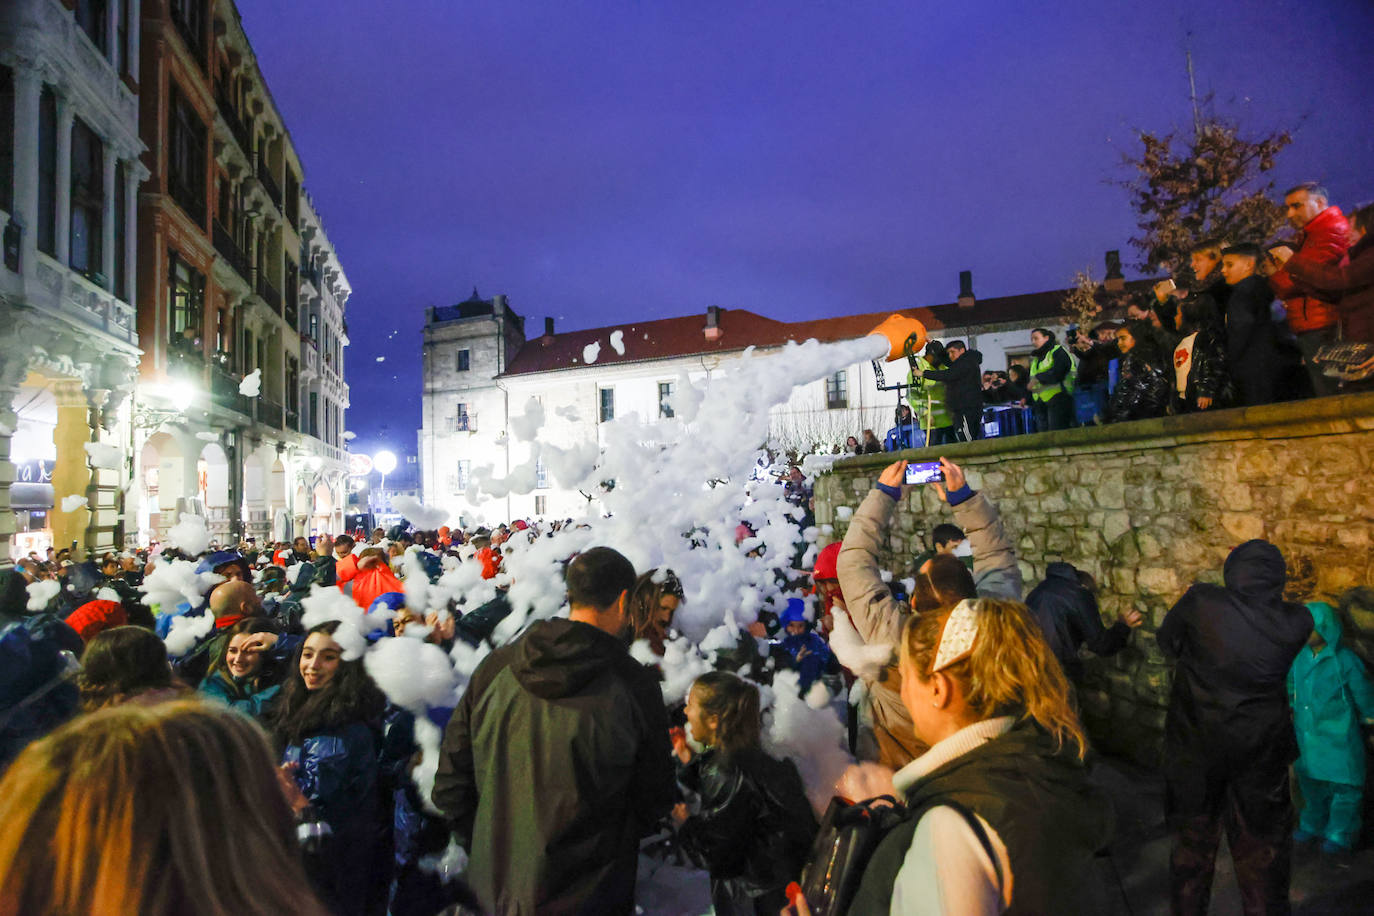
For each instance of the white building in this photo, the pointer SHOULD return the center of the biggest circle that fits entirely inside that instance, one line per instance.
(69, 177)
(480, 370)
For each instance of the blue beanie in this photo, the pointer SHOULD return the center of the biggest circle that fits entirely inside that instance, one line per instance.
(796, 612)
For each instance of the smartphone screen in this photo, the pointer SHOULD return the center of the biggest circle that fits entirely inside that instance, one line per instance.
(924, 472)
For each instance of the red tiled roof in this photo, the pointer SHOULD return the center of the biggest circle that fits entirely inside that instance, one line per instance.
(664, 338)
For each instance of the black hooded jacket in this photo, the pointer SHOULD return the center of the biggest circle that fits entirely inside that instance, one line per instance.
(554, 764)
(1068, 616)
(1234, 645)
(963, 382)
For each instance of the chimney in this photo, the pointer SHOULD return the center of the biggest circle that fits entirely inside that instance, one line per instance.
(548, 333)
(966, 298)
(1115, 281)
(713, 330)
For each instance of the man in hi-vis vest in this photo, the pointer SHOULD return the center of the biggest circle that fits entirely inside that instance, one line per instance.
(1051, 382)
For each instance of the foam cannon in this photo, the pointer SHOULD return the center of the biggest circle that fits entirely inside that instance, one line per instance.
(905, 337)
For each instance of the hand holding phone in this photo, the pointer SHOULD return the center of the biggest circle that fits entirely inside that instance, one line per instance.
(920, 472)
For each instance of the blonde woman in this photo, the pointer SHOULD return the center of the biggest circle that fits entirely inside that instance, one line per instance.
(1003, 819)
(172, 808)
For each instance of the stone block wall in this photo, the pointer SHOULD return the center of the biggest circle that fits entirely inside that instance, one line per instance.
(1148, 508)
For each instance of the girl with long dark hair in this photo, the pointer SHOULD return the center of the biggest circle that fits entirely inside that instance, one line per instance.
(248, 670)
(327, 723)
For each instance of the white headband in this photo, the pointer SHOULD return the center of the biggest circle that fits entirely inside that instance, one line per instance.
(956, 639)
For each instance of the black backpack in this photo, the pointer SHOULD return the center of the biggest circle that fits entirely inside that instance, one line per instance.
(849, 835)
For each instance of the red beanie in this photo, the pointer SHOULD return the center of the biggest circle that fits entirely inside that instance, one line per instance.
(825, 562)
(95, 616)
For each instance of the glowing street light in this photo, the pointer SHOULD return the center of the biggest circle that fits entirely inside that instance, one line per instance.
(384, 461)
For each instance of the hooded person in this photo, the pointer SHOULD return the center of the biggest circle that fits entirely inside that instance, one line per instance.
(1228, 736)
(557, 759)
(374, 578)
(1330, 692)
(807, 653)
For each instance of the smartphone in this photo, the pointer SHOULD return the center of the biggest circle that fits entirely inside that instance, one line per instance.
(924, 472)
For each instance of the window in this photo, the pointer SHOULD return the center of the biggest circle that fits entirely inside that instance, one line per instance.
(189, 18)
(292, 201)
(222, 336)
(47, 172)
(837, 390)
(185, 299)
(461, 480)
(315, 414)
(315, 328)
(121, 212)
(665, 392)
(541, 474)
(121, 61)
(607, 405)
(7, 139)
(88, 200)
(541, 505)
(293, 392)
(91, 16)
(186, 157)
(460, 419)
(464, 360)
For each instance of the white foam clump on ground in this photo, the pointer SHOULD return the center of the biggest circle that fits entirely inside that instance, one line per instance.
(73, 502)
(104, 455)
(173, 582)
(189, 535)
(618, 342)
(424, 518)
(591, 351)
(42, 592)
(186, 631)
(251, 384)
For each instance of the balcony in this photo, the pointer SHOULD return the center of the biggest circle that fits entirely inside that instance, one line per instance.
(269, 413)
(270, 294)
(229, 249)
(463, 423)
(269, 183)
(224, 392)
(231, 118)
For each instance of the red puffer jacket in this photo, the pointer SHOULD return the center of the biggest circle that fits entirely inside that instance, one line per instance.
(1353, 283)
(1323, 242)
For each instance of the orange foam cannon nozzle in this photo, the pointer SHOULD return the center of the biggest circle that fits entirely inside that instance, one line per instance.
(898, 329)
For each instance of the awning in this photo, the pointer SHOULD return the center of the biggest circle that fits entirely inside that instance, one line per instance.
(31, 497)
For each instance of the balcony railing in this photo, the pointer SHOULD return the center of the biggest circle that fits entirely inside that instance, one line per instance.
(269, 183)
(231, 117)
(226, 246)
(269, 413)
(224, 391)
(270, 294)
(463, 423)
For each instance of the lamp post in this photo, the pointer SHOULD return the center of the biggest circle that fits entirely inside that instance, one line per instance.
(384, 462)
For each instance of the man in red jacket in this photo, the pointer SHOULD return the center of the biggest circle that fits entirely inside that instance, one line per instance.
(1323, 237)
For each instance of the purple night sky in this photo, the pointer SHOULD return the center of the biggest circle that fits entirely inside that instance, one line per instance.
(612, 161)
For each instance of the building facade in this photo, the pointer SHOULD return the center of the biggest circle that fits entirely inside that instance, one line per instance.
(69, 176)
(480, 371)
(234, 270)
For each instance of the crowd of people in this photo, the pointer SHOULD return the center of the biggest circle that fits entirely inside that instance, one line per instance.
(1245, 324)
(266, 765)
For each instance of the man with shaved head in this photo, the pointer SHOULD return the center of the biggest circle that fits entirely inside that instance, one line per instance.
(232, 601)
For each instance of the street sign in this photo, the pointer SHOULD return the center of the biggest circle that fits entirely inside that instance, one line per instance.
(359, 465)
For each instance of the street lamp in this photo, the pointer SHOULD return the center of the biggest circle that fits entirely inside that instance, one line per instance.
(384, 462)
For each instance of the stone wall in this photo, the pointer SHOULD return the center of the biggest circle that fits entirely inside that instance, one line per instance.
(1150, 507)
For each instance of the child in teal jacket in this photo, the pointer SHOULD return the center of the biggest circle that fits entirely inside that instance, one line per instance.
(1330, 693)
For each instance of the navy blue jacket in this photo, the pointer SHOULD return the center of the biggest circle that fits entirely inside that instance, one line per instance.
(1068, 616)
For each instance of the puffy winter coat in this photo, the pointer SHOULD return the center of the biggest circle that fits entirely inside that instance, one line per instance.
(337, 771)
(753, 831)
(963, 382)
(1068, 616)
(1330, 692)
(554, 764)
(1352, 282)
(37, 693)
(1141, 392)
(251, 695)
(1234, 645)
(1210, 374)
(1322, 242)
